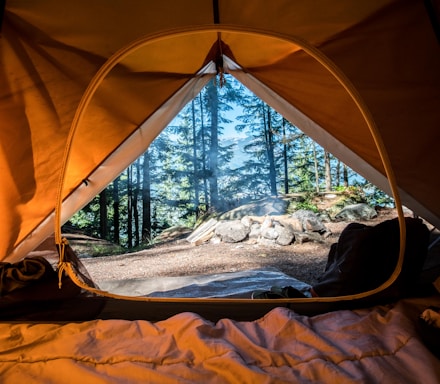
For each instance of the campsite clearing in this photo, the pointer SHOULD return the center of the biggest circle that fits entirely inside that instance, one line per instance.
(304, 261)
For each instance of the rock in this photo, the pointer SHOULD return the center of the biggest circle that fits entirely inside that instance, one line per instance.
(281, 234)
(304, 237)
(285, 235)
(231, 231)
(355, 212)
(247, 221)
(283, 229)
(294, 223)
(266, 242)
(325, 217)
(255, 231)
(310, 221)
(267, 223)
(301, 238)
(269, 233)
(269, 206)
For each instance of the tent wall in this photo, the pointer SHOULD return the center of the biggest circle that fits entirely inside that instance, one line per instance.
(51, 50)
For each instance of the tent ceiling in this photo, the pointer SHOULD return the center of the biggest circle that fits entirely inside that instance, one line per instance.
(50, 52)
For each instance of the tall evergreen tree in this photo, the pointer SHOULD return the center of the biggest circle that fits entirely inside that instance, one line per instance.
(328, 174)
(188, 168)
(103, 213)
(116, 221)
(202, 141)
(213, 152)
(285, 157)
(316, 166)
(136, 188)
(195, 160)
(259, 122)
(146, 197)
(269, 141)
(129, 207)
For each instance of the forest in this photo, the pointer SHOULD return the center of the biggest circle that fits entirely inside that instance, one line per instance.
(225, 148)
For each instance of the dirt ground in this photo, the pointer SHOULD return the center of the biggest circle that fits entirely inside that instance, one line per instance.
(304, 261)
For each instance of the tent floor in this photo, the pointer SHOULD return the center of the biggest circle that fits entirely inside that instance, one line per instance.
(212, 297)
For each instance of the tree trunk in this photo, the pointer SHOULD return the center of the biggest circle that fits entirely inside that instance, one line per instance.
(204, 167)
(315, 159)
(270, 150)
(135, 203)
(129, 208)
(286, 171)
(213, 148)
(146, 199)
(116, 239)
(338, 174)
(328, 173)
(195, 173)
(345, 176)
(103, 224)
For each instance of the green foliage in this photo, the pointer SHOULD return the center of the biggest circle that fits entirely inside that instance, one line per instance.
(97, 250)
(355, 194)
(82, 219)
(87, 219)
(191, 175)
(308, 205)
(305, 201)
(374, 196)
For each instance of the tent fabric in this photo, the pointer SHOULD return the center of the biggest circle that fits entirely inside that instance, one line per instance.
(385, 50)
(377, 345)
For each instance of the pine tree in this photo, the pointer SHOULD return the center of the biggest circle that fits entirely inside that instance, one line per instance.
(264, 127)
(103, 224)
(187, 169)
(116, 221)
(146, 197)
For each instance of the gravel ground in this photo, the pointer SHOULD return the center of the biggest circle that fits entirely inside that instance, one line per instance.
(304, 261)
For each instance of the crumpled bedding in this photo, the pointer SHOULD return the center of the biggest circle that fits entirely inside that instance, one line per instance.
(378, 345)
(23, 273)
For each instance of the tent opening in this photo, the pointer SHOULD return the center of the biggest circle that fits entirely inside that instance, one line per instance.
(217, 50)
(177, 172)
